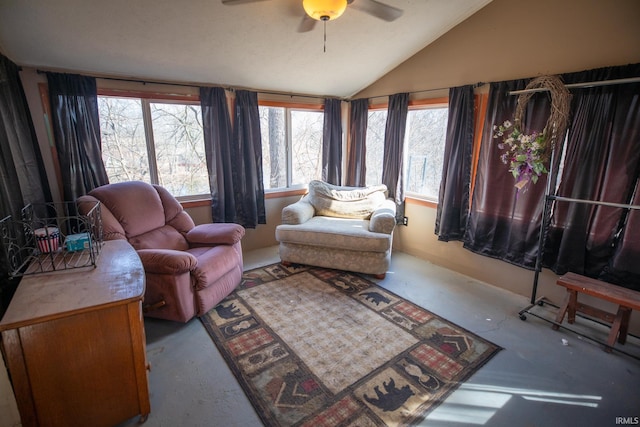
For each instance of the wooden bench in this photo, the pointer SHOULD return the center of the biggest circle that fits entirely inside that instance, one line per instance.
(626, 299)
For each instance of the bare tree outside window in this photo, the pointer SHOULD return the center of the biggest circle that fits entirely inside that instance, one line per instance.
(426, 133)
(175, 144)
(124, 147)
(306, 144)
(291, 146)
(274, 147)
(179, 146)
(376, 124)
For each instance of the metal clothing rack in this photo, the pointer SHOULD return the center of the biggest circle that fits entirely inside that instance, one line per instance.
(546, 218)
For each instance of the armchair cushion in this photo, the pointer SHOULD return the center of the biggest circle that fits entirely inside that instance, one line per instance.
(329, 232)
(143, 212)
(218, 233)
(345, 202)
(165, 237)
(174, 214)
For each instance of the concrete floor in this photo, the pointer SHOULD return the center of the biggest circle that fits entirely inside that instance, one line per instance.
(534, 381)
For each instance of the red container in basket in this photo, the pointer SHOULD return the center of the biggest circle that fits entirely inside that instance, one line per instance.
(48, 239)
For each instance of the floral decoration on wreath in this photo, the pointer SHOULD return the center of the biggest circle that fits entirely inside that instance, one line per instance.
(528, 154)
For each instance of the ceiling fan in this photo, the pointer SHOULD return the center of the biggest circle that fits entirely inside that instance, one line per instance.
(328, 10)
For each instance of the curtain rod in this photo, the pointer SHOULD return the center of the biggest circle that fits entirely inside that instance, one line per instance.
(581, 85)
(229, 88)
(476, 85)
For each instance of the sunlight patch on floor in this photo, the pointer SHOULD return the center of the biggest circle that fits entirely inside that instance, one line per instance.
(477, 403)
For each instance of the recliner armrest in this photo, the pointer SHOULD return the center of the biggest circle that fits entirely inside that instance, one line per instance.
(167, 261)
(298, 212)
(215, 234)
(383, 219)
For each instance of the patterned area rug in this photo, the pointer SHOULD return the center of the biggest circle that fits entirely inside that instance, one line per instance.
(318, 347)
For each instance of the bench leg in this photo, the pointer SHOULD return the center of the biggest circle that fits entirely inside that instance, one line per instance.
(619, 327)
(573, 304)
(570, 302)
(624, 325)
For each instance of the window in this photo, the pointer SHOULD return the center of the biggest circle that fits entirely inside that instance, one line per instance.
(424, 148)
(291, 145)
(425, 137)
(376, 124)
(159, 142)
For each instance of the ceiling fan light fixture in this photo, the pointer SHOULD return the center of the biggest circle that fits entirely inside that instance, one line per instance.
(324, 10)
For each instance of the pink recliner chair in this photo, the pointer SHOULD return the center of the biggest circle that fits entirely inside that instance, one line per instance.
(189, 268)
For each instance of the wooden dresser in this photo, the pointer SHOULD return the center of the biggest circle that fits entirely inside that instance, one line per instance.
(74, 343)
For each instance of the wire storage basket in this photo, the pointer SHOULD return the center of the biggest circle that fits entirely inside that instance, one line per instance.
(50, 237)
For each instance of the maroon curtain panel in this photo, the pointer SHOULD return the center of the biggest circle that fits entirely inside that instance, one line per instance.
(504, 223)
(601, 164)
(600, 161)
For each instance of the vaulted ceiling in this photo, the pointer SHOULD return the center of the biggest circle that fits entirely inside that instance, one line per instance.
(253, 45)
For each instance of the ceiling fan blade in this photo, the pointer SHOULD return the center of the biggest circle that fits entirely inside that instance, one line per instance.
(307, 24)
(377, 9)
(235, 2)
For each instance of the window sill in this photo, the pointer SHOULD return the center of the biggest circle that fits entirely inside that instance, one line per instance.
(285, 192)
(420, 201)
(274, 194)
(194, 203)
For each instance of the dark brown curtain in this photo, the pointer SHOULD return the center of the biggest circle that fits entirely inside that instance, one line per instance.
(332, 142)
(21, 169)
(76, 130)
(453, 198)
(218, 135)
(504, 223)
(601, 164)
(393, 163)
(357, 165)
(246, 157)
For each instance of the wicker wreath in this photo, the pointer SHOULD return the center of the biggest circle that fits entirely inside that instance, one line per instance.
(559, 115)
(527, 154)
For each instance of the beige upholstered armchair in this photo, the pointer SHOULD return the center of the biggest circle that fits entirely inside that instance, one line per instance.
(189, 269)
(346, 228)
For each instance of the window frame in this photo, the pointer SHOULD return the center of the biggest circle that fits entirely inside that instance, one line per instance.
(423, 104)
(146, 99)
(290, 189)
